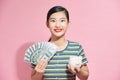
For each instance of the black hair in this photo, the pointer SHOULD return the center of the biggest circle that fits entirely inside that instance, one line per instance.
(57, 9)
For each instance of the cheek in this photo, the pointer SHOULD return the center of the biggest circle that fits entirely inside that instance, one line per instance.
(65, 26)
(51, 25)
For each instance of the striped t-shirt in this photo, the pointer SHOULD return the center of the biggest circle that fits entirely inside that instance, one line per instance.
(57, 66)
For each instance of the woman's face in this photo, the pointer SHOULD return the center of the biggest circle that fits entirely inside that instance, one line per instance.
(58, 24)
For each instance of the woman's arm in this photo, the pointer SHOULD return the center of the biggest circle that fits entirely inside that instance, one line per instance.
(81, 72)
(38, 70)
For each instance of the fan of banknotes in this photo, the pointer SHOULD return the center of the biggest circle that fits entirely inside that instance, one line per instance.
(40, 50)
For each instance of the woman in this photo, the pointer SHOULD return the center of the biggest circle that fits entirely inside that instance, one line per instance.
(58, 68)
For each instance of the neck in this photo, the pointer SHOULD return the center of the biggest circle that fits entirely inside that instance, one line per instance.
(60, 42)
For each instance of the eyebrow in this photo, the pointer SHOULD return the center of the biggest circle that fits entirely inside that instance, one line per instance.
(55, 18)
(51, 18)
(63, 18)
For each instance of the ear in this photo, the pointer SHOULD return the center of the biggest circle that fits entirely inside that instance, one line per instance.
(69, 23)
(47, 24)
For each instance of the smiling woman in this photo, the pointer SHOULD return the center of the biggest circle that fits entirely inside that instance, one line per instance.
(58, 68)
(93, 23)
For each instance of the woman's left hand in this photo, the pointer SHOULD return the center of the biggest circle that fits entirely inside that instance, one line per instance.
(73, 70)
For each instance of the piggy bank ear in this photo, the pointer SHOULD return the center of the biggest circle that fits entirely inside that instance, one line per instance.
(80, 59)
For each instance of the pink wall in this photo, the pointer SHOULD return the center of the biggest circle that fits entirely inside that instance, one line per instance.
(94, 23)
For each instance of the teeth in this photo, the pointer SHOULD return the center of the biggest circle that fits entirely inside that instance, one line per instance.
(57, 30)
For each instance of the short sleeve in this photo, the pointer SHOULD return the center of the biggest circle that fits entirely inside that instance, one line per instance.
(82, 53)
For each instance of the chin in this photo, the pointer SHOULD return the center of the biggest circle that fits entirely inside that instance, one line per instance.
(59, 36)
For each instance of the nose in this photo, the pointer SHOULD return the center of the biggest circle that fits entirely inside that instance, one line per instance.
(57, 24)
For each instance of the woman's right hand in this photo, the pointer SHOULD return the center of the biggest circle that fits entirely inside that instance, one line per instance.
(40, 67)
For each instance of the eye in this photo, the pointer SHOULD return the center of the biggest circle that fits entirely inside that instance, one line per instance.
(52, 20)
(62, 20)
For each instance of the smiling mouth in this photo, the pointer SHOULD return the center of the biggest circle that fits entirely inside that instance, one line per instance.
(57, 30)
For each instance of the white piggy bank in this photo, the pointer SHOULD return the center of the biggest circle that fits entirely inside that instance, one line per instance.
(75, 61)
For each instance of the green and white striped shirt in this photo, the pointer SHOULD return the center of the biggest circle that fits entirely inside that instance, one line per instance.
(57, 66)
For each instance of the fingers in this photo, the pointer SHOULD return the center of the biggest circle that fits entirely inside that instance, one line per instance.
(40, 67)
(77, 69)
(42, 63)
(71, 69)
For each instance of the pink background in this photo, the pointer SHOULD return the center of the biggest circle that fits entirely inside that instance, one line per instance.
(94, 23)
